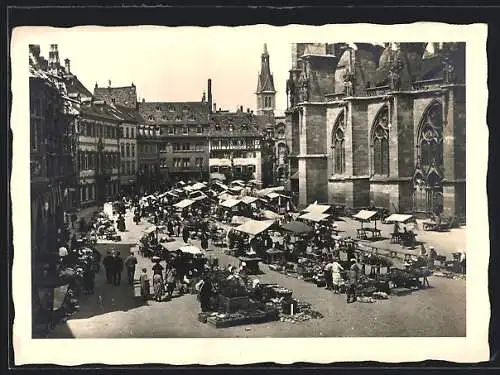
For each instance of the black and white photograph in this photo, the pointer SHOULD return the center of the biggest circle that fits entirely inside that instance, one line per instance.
(251, 183)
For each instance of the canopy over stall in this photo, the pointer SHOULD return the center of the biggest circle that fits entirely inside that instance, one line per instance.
(230, 203)
(217, 176)
(314, 216)
(271, 215)
(238, 220)
(255, 227)
(366, 216)
(297, 227)
(150, 230)
(197, 196)
(317, 208)
(399, 218)
(240, 183)
(184, 203)
(248, 199)
(236, 188)
(199, 186)
(190, 249)
(173, 245)
(264, 192)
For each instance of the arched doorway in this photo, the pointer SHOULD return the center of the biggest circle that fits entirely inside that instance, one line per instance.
(428, 175)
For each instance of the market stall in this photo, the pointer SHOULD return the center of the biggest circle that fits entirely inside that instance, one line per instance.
(183, 204)
(366, 216)
(405, 237)
(314, 217)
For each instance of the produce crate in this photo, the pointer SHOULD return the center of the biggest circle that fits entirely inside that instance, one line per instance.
(401, 291)
(233, 304)
(202, 317)
(254, 318)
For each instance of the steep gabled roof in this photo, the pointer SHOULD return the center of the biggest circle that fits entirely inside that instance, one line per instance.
(234, 124)
(175, 112)
(125, 96)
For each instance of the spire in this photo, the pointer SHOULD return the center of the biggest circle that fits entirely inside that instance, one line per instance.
(265, 80)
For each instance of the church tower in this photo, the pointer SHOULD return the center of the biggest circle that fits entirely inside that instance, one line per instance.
(266, 94)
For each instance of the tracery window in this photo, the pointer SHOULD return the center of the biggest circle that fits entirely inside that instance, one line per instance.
(380, 143)
(430, 140)
(338, 145)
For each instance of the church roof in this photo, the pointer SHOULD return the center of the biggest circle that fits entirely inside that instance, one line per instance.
(265, 82)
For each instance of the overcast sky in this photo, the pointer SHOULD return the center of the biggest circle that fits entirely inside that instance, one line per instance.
(170, 64)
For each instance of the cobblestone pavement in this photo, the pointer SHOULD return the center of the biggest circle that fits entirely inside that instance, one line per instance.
(113, 313)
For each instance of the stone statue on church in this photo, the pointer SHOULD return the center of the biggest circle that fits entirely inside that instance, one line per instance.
(395, 75)
(448, 71)
(304, 89)
(291, 92)
(349, 84)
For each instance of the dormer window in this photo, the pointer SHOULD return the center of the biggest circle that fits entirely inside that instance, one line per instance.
(157, 107)
(164, 118)
(230, 127)
(150, 118)
(171, 109)
(178, 118)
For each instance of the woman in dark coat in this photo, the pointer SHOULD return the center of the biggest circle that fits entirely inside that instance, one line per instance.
(205, 294)
(204, 241)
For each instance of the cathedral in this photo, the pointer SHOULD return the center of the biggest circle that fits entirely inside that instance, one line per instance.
(378, 126)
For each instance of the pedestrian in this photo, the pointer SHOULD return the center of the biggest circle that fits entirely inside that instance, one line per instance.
(157, 287)
(327, 274)
(205, 292)
(74, 218)
(178, 229)
(336, 277)
(144, 280)
(107, 262)
(130, 264)
(88, 279)
(118, 269)
(170, 279)
(353, 281)
(204, 241)
(185, 234)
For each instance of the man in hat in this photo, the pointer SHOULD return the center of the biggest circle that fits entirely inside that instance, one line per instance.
(117, 268)
(353, 281)
(107, 262)
(130, 264)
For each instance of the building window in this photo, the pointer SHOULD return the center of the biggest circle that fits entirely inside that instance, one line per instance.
(122, 150)
(126, 132)
(132, 146)
(338, 145)
(133, 168)
(199, 130)
(251, 168)
(380, 143)
(171, 130)
(132, 135)
(177, 162)
(199, 162)
(186, 162)
(128, 150)
(186, 147)
(185, 130)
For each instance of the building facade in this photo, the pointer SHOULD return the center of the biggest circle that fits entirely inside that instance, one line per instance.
(235, 145)
(51, 163)
(124, 99)
(182, 129)
(379, 126)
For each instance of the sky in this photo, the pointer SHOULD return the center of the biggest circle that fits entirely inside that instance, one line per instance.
(174, 63)
(168, 64)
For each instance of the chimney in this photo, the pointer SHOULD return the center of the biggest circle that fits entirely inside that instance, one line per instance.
(241, 108)
(96, 86)
(209, 94)
(215, 107)
(35, 49)
(143, 100)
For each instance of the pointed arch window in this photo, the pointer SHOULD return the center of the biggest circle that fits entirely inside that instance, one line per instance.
(338, 145)
(430, 138)
(380, 143)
